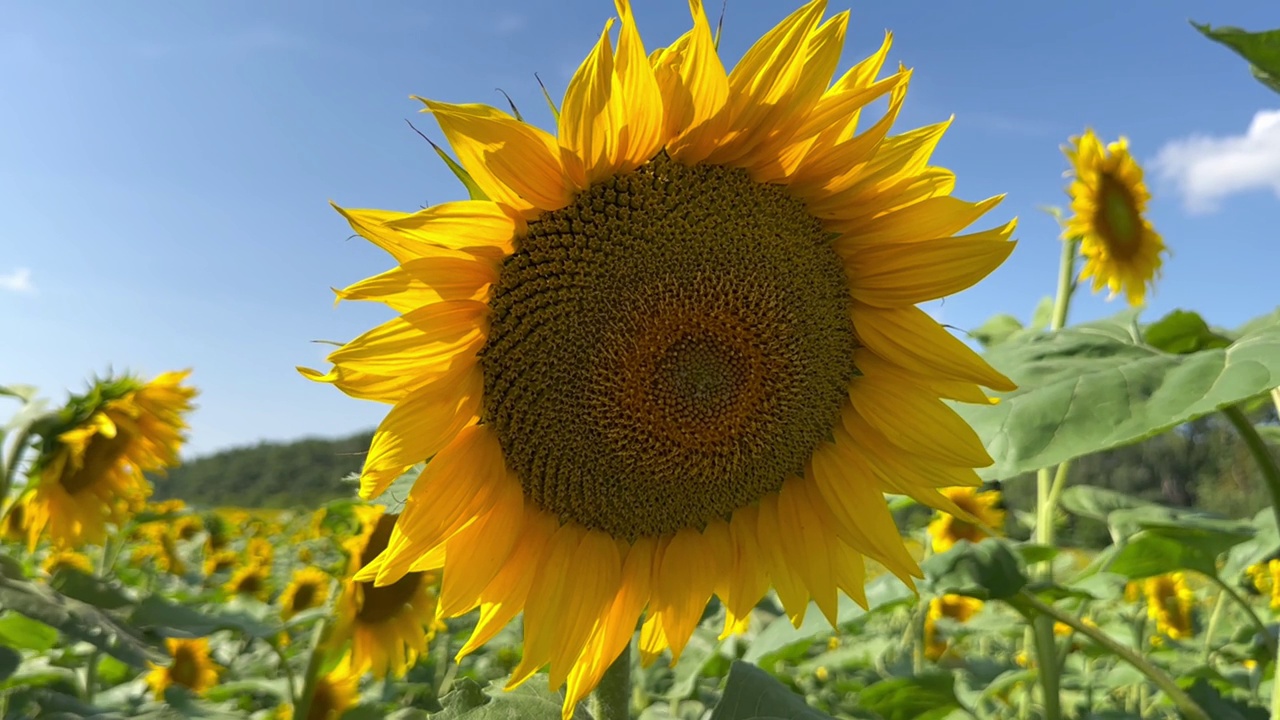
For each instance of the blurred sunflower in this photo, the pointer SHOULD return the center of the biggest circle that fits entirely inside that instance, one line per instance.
(1108, 198)
(251, 580)
(187, 527)
(1266, 579)
(1171, 605)
(167, 507)
(308, 588)
(218, 533)
(192, 667)
(220, 561)
(945, 530)
(92, 461)
(955, 607)
(673, 350)
(72, 559)
(155, 548)
(260, 550)
(388, 626)
(334, 694)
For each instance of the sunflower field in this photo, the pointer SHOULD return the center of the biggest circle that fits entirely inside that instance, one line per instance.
(667, 436)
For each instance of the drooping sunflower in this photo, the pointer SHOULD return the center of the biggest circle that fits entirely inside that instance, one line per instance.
(1122, 251)
(387, 626)
(72, 559)
(252, 580)
(1171, 605)
(308, 588)
(192, 667)
(91, 463)
(946, 529)
(672, 350)
(955, 607)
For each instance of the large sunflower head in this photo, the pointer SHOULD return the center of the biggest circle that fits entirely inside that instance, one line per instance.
(1171, 605)
(192, 667)
(1122, 251)
(387, 626)
(308, 588)
(90, 471)
(946, 529)
(250, 581)
(671, 348)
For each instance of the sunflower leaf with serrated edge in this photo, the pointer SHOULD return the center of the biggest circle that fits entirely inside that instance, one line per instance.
(1261, 49)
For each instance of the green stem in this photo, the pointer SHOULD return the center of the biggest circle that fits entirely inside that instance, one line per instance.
(1189, 708)
(1066, 285)
(1047, 662)
(319, 636)
(1261, 454)
(1213, 625)
(11, 463)
(611, 700)
(274, 642)
(1257, 623)
(1049, 485)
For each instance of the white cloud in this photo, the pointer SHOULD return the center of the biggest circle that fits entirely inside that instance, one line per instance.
(1207, 169)
(18, 281)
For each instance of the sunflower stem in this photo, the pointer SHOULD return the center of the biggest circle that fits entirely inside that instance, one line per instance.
(1254, 620)
(611, 700)
(1189, 708)
(319, 638)
(1210, 631)
(1261, 453)
(1047, 661)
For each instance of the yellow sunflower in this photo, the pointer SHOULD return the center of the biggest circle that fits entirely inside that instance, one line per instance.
(156, 548)
(672, 350)
(192, 667)
(1108, 198)
(187, 527)
(59, 559)
(308, 588)
(945, 530)
(220, 561)
(90, 469)
(252, 580)
(1171, 605)
(389, 626)
(956, 607)
(334, 694)
(260, 550)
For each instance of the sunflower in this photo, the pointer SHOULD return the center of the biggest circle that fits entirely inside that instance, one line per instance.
(187, 527)
(1266, 579)
(192, 667)
(334, 693)
(260, 551)
(388, 626)
(250, 581)
(946, 529)
(1171, 605)
(156, 548)
(672, 350)
(64, 559)
(955, 607)
(220, 561)
(308, 588)
(91, 467)
(1108, 199)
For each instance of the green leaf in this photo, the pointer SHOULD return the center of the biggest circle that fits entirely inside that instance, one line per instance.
(76, 620)
(697, 653)
(158, 613)
(532, 701)
(753, 694)
(1220, 708)
(996, 330)
(20, 631)
(1181, 332)
(1263, 546)
(10, 659)
(1261, 49)
(1269, 433)
(988, 570)
(1097, 503)
(1096, 386)
(931, 696)
(1043, 314)
(1162, 550)
(89, 589)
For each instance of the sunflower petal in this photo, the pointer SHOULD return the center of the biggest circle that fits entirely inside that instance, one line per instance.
(592, 118)
(685, 578)
(644, 134)
(461, 225)
(915, 420)
(694, 91)
(893, 276)
(478, 551)
(908, 337)
(422, 336)
(930, 218)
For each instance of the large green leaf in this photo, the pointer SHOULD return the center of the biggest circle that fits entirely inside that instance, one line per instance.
(531, 701)
(158, 613)
(1098, 503)
(988, 570)
(1181, 332)
(1163, 550)
(753, 694)
(20, 631)
(1261, 49)
(76, 620)
(1097, 386)
(10, 659)
(931, 696)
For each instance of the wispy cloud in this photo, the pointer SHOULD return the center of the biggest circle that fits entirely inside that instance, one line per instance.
(18, 281)
(1207, 169)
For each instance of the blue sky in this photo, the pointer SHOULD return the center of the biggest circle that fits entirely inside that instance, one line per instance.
(165, 168)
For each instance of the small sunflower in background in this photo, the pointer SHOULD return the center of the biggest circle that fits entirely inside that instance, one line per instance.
(156, 548)
(672, 350)
(250, 581)
(90, 469)
(192, 667)
(1171, 605)
(260, 550)
(388, 626)
(336, 692)
(308, 588)
(69, 559)
(1121, 250)
(187, 527)
(945, 530)
(218, 532)
(955, 607)
(220, 561)
(1266, 580)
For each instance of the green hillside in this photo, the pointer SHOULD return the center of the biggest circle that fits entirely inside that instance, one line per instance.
(303, 473)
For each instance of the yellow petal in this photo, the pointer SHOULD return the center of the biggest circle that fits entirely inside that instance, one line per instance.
(790, 588)
(416, 340)
(694, 90)
(872, 364)
(478, 551)
(908, 337)
(748, 581)
(592, 117)
(834, 161)
(462, 225)
(616, 630)
(418, 427)
(683, 584)
(805, 542)
(900, 472)
(652, 639)
(894, 276)
(644, 133)
(915, 420)
(851, 572)
(515, 164)
(931, 218)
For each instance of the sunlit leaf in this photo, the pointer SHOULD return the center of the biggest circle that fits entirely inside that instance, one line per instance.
(1261, 49)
